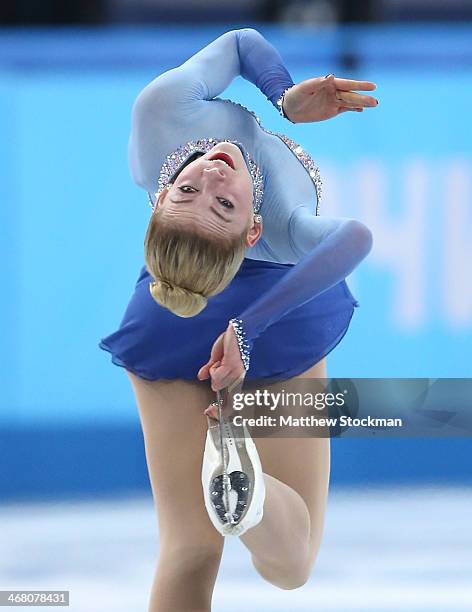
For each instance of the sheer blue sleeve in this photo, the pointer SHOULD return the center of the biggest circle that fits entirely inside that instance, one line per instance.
(210, 71)
(333, 246)
(238, 52)
(262, 65)
(165, 111)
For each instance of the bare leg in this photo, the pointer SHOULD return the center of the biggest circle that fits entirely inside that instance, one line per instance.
(284, 545)
(174, 429)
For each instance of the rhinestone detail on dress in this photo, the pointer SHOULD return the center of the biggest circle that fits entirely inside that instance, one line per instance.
(297, 150)
(175, 160)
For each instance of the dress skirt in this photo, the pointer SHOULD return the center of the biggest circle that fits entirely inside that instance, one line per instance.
(154, 343)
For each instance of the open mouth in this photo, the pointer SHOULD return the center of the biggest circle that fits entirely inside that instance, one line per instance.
(224, 157)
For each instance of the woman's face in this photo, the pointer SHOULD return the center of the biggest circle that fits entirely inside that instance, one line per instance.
(213, 194)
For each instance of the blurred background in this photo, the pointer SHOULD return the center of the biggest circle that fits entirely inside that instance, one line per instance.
(75, 505)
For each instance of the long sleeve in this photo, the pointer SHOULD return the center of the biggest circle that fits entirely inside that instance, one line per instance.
(167, 109)
(335, 247)
(210, 71)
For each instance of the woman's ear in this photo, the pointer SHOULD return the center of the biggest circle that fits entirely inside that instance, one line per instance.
(254, 233)
(162, 195)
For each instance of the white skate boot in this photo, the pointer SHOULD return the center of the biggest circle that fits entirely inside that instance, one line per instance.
(232, 480)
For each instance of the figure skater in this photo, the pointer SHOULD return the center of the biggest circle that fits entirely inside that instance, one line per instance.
(243, 281)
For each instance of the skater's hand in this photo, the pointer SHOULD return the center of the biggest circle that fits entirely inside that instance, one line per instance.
(226, 399)
(321, 98)
(215, 359)
(225, 366)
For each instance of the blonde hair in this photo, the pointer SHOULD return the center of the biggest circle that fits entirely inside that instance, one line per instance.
(188, 267)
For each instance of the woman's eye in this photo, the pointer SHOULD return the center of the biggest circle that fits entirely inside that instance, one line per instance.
(187, 189)
(225, 203)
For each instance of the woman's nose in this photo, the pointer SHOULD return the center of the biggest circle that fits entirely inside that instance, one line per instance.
(214, 173)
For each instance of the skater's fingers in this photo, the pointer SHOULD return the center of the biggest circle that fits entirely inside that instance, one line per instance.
(204, 371)
(232, 379)
(212, 411)
(217, 348)
(215, 357)
(221, 377)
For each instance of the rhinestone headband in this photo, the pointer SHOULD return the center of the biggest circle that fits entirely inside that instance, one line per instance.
(175, 160)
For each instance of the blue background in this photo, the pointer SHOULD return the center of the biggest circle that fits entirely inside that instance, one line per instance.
(72, 226)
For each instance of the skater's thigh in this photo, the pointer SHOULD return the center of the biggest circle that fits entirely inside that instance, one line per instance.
(174, 428)
(302, 463)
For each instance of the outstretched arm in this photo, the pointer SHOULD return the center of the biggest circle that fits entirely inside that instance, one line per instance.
(168, 107)
(335, 247)
(338, 245)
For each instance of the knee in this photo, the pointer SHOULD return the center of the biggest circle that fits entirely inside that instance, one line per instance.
(286, 576)
(289, 583)
(294, 578)
(191, 558)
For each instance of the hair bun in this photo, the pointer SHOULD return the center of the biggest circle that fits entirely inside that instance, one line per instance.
(180, 301)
